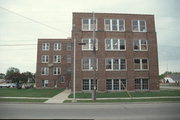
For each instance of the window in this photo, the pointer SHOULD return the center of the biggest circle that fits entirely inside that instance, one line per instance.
(45, 83)
(89, 44)
(87, 64)
(45, 58)
(141, 84)
(88, 84)
(88, 25)
(62, 80)
(140, 64)
(44, 71)
(114, 25)
(57, 46)
(55, 83)
(139, 26)
(57, 58)
(140, 45)
(45, 46)
(69, 46)
(69, 58)
(56, 71)
(115, 44)
(115, 64)
(116, 84)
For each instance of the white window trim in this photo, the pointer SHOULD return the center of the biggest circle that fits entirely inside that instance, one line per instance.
(89, 25)
(112, 45)
(55, 47)
(47, 57)
(139, 26)
(90, 61)
(117, 25)
(54, 59)
(140, 49)
(44, 68)
(141, 64)
(112, 65)
(141, 79)
(89, 84)
(46, 44)
(56, 68)
(89, 39)
(43, 85)
(112, 85)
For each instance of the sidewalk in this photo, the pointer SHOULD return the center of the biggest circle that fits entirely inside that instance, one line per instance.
(59, 98)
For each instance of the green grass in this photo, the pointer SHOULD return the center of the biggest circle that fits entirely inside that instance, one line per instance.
(124, 94)
(128, 100)
(21, 100)
(13, 92)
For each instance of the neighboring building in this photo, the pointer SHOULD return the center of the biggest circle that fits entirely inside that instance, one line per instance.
(54, 61)
(173, 78)
(126, 53)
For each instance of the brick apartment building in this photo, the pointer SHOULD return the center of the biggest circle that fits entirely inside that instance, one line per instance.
(126, 54)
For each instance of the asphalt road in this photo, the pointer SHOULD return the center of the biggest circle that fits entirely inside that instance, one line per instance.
(118, 111)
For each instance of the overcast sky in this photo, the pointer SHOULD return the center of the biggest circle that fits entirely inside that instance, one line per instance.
(57, 14)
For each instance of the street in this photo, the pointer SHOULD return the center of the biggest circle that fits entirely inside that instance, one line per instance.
(103, 111)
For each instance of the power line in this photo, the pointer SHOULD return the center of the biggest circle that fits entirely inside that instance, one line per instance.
(30, 19)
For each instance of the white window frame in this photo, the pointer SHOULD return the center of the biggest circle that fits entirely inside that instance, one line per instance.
(89, 84)
(111, 44)
(56, 71)
(69, 46)
(90, 28)
(45, 59)
(45, 46)
(56, 58)
(57, 46)
(90, 62)
(138, 30)
(141, 64)
(44, 82)
(112, 85)
(44, 71)
(111, 25)
(90, 46)
(119, 63)
(141, 84)
(140, 45)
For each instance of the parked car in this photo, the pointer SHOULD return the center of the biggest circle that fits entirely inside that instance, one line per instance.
(7, 85)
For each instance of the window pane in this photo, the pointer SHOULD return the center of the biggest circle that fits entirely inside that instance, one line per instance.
(123, 64)
(107, 24)
(116, 84)
(86, 84)
(85, 64)
(145, 84)
(108, 84)
(115, 64)
(114, 25)
(122, 44)
(136, 44)
(108, 64)
(108, 44)
(137, 64)
(123, 84)
(142, 26)
(115, 44)
(85, 24)
(143, 44)
(121, 25)
(86, 46)
(137, 84)
(144, 64)
(135, 25)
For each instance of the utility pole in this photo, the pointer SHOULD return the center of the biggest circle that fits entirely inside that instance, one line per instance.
(94, 61)
(74, 67)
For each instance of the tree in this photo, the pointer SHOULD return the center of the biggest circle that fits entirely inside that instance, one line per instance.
(30, 76)
(10, 72)
(2, 76)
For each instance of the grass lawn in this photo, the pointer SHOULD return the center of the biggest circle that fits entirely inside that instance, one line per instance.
(14, 92)
(21, 100)
(133, 94)
(128, 100)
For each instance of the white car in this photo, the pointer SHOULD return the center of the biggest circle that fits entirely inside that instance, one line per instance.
(7, 85)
